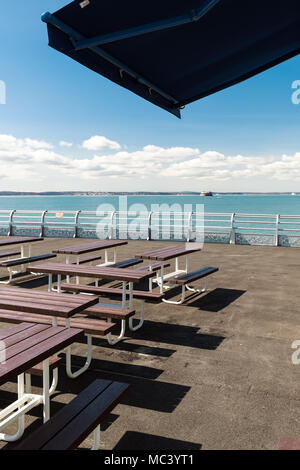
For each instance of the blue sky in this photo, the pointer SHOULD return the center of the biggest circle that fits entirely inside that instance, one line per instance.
(243, 138)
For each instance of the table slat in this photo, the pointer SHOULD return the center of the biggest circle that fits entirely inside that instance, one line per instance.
(22, 335)
(4, 334)
(38, 353)
(120, 274)
(21, 292)
(16, 240)
(88, 247)
(50, 304)
(167, 253)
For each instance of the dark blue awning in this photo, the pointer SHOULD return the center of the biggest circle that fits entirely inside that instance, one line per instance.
(172, 52)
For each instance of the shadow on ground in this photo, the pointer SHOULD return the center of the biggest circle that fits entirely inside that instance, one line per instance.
(137, 440)
(135, 348)
(216, 300)
(180, 335)
(33, 283)
(144, 393)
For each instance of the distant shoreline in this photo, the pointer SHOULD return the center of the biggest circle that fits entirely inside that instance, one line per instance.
(139, 193)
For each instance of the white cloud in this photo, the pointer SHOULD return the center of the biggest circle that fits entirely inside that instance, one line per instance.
(39, 167)
(99, 142)
(8, 142)
(64, 143)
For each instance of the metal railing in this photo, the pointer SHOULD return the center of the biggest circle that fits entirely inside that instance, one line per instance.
(150, 225)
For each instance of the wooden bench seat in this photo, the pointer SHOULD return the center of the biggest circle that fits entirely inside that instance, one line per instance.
(101, 311)
(54, 362)
(185, 279)
(75, 421)
(87, 259)
(31, 259)
(126, 263)
(90, 326)
(195, 275)
(5, 254)
(111, 291)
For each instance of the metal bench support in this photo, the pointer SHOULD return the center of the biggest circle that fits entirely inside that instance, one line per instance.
(25, 402)
(183, 291)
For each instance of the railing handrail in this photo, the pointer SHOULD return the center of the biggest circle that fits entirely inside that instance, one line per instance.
(152, 222)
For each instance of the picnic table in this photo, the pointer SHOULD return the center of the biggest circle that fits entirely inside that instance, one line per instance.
(125, 275)
(39, 307)
(20, 240)
(83, 248)
(22, 347)
(23, 258)
(165, 254)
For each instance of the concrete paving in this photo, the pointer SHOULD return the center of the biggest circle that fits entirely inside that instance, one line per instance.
(213, 373)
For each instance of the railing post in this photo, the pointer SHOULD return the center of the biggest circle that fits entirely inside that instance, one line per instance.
(190, 228)
(10, 222)
(276, 242)
(76, 224)
(232, 231)
(42, 223)
(149, 225)
(111, 236)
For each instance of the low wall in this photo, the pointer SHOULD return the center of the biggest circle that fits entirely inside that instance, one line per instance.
(211, 237)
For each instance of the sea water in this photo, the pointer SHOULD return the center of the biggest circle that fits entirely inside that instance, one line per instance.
(246, 204)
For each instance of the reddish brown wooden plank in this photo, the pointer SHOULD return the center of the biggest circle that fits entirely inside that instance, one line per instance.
(174, 254)
(48, 308)
(33, 307)
(16, 240)
(111, 291)
(88, 247)
(49, 430)
(54, 363)
(85, 422)
(24, 361)
(23, 335)
(14, 329)
(41, 333)
(18, 291)
(110, 312)
(53, 301)
(93, 327)
(129, 275)
(153, 253)
(167, 253)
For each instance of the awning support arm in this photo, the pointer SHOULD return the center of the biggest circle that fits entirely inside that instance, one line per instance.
(189, 17)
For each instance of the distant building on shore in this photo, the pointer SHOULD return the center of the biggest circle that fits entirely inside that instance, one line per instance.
(206, 193)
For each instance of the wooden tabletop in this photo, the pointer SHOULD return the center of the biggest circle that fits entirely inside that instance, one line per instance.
(163, 254)
(88, 247)
(46, 303)
(16, 240)
(99, 272)
(27, 344)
